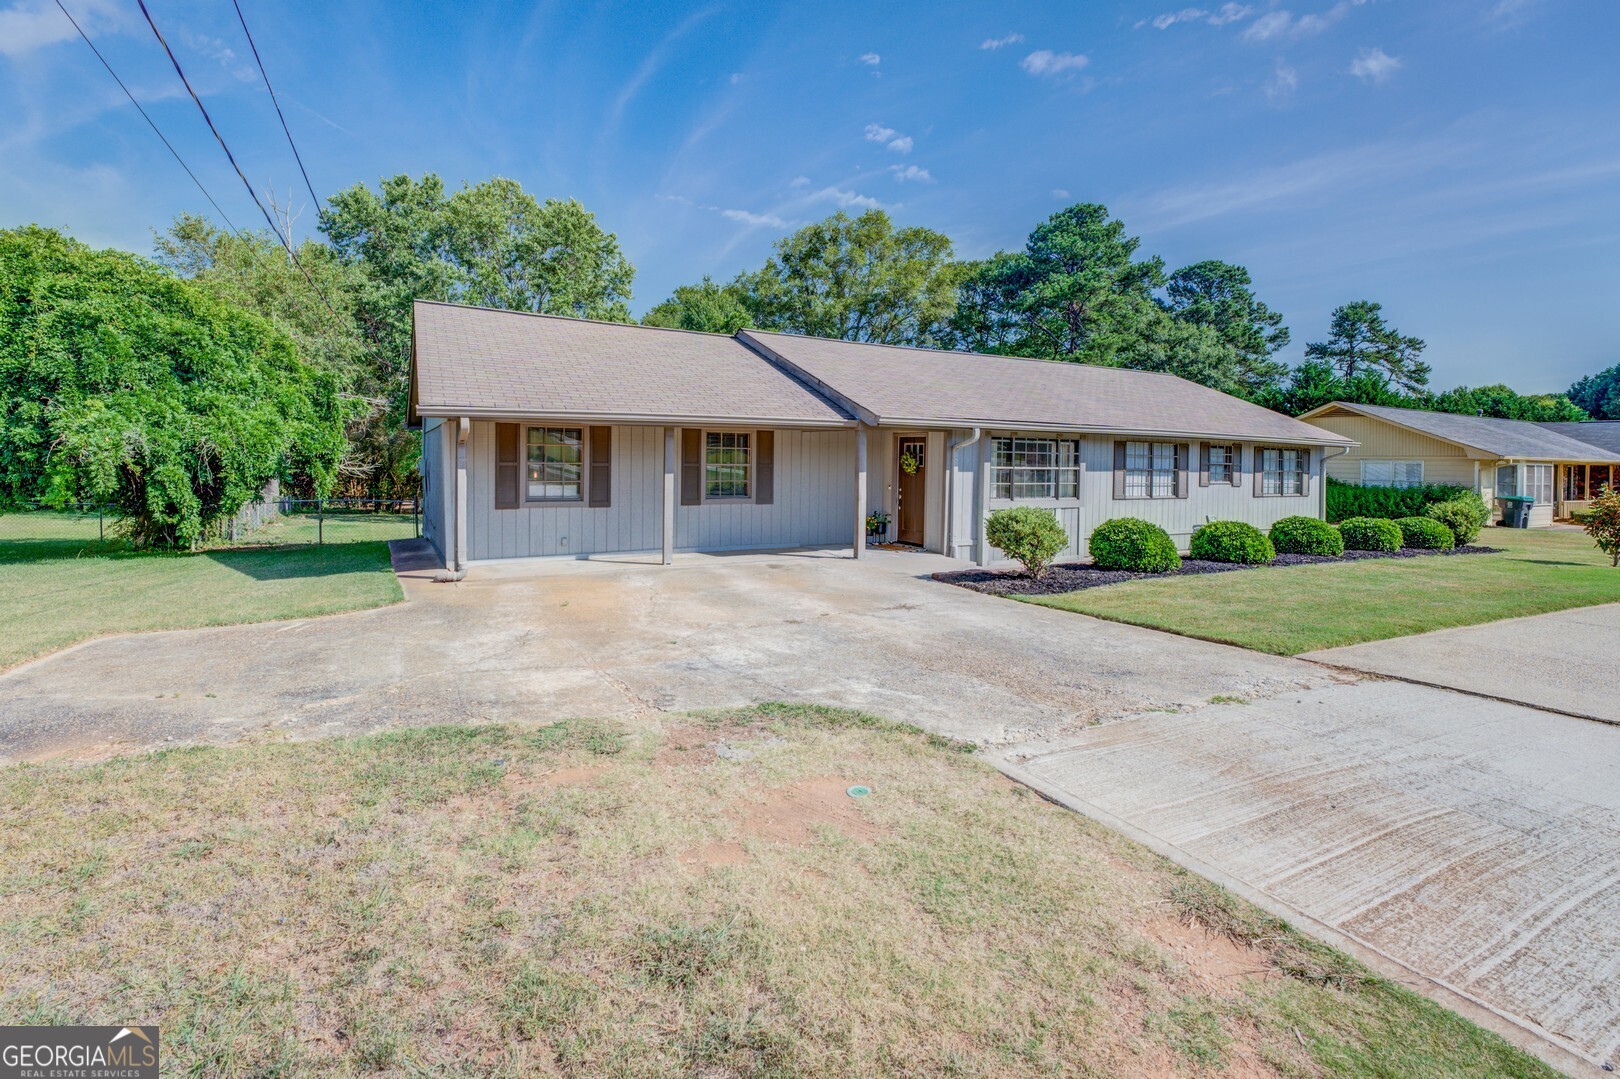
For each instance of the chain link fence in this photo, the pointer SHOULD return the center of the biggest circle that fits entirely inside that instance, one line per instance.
(30, 533)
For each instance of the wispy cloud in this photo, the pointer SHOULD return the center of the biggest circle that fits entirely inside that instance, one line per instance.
(870, 58)
(1046, 62)
(1284, 81)
(900, 144)
(34, 24)
(1226, 13)
(736, 77)
(800, 181)
(1060, 193)
(844, 199)
(754, 220)
(1001, 42)
(1512, 12)
(1374, 66)
(911, 172)
(649, 67)
(1285, 25)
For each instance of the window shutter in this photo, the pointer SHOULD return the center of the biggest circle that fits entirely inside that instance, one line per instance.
(1181, 470)
(1237, 465)
(1305, 464)
(601, 492)
(1259, 470)
(508, 465)
(691, 466)
(1119, 470)
(1203, 464)
(764, 467)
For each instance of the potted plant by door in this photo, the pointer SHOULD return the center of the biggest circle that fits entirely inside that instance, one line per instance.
(877, 525)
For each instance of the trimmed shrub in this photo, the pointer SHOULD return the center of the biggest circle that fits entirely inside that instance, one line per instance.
(1231, 541)
(1029, 535)
(1347, 500)
(1130, 543)
(1306, 535)
(1370, 534)
(1465, 515)
(1425, 534)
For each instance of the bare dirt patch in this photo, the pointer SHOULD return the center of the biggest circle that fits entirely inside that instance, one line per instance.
(1218, 963)
(793, 814)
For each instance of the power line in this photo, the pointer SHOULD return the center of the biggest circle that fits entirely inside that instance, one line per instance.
(279, 114)
(149, 121)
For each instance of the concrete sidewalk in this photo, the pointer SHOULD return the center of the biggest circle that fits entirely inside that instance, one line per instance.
(1566, 661)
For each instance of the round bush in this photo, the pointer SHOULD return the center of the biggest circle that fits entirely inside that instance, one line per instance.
(1425, 533)
(1370, 534)
(1465, 515)
(1231, 541)
(1027, 534)
(1132, 544)
(1306, 535)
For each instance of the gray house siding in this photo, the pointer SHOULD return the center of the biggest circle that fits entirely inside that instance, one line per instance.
(437, 486)
(812, 505)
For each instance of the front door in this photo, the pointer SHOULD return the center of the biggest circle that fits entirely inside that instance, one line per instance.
(910, 498)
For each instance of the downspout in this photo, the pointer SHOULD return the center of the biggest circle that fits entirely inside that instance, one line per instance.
(458, 564)
(1325, 459)
(950, 487)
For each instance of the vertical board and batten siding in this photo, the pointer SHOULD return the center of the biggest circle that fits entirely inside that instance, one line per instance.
(1443, 462)
(1180, 517)
(437, 484)
(812, 505)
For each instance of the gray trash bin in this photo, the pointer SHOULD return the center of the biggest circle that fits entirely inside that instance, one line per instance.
(1516, 510)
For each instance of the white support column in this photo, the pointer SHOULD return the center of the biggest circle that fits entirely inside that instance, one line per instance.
(463, 429)
(981, 493)
(669, 495)
(860, 490)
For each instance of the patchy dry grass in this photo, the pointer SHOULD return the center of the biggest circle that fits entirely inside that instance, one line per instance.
(586, 898)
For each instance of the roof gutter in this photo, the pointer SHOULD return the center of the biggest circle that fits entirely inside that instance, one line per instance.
(1097, 429)
(647, 418)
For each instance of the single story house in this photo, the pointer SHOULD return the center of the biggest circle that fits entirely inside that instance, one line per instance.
(1580, 483)
(556, 437)
(1554, 463)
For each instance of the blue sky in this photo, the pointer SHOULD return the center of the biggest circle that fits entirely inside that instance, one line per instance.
(1456, 161)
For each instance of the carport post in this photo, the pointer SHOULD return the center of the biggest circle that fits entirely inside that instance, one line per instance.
(669, 495)
(463, 426)
(860, 489)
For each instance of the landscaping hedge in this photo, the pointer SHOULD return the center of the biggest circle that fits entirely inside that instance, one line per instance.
(1306, 535)
(1231, 541)
(1347, 500)
(1370, 534)
(1031, 536)
(1425, 534)
(1135, 545)
(1464, 515)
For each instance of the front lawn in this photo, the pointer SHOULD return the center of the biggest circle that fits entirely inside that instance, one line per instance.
(592, 898)
(1303, 608)
(59, 584)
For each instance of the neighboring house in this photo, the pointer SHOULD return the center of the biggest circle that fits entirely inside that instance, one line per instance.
(546, 436)
(1582, 483)
(1401, 447)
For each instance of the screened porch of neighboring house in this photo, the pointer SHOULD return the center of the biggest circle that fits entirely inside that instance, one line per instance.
(1578, 484)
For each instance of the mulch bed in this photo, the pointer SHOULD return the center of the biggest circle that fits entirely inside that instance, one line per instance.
(1073, 576)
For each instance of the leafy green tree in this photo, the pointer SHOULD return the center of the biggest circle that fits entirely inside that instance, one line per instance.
(1315, 383)
(1359, 342)
(1220, 296)
(121, 382)
(706, 306)
(1076, 292)
(1599, 394)
(858, 279)
(1503, 402)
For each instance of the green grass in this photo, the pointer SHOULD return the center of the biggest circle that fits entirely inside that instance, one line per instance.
(610, 898)
(59, 585)
(1302, 608)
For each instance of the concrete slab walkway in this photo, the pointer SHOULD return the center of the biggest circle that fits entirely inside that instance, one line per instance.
(1568, 661)
(1476, 842)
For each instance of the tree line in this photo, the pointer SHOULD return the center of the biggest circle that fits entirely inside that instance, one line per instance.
(177, 385)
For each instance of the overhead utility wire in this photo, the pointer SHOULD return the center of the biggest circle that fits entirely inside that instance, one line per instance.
(149, 121)
(279, 114)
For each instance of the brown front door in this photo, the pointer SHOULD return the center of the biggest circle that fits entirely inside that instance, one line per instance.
(912, 502)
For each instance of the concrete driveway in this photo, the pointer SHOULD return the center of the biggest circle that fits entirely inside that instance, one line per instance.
(535, 642)
(1472, 844)
(1566, 661)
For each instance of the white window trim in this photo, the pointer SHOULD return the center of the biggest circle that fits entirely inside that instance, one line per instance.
(703, 454)
(584, 465)
(1303, 472)
(1079, 470)
(1421, 480)
(1233, 451)
(1150, 471)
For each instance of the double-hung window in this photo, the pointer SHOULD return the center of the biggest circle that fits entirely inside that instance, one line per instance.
(1538, 483)
(1282, 472)
(1028, 469)
(1150, 470)
(726, 465)
(1392, 473)
(1222, 460)
(555, 457)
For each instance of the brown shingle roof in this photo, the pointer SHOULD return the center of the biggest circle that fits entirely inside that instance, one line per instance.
(1504, 438)
(476, 361)
(911, 385)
